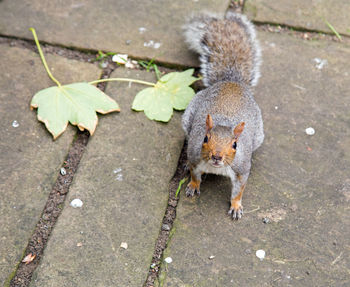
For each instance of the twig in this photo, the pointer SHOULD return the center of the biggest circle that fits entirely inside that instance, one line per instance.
(337, 259)
(256, 209)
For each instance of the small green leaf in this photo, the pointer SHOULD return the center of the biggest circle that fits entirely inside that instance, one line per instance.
(172, 91)
(75, 103)
(180, 78)
(182, 181)
(155, 103)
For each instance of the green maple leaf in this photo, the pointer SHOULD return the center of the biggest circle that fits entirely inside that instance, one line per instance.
(75, 103)
(78, 103)
(172, 91)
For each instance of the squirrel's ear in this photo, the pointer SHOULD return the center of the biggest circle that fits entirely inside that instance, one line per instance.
(238, 129)
(209, 123)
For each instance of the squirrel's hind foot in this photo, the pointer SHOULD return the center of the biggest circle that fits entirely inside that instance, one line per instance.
(191, 190)
(236, 212)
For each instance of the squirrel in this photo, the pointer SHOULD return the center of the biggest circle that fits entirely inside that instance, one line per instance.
(223, 123)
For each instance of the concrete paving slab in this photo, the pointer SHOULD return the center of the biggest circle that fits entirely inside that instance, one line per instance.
(147, 29)
(123, 182)
(29, 158)
(302, 14)
(299, 182)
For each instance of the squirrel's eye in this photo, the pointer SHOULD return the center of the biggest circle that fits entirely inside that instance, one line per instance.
(234, 146)
(205, 139)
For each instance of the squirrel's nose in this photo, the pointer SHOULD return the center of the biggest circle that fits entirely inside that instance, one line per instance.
(216, 157)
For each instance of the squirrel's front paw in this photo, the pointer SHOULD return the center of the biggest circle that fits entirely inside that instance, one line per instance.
(236, 210)
(191, 189)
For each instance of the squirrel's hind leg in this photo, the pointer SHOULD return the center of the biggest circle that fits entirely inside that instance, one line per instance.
(193, 186)
(238, 185)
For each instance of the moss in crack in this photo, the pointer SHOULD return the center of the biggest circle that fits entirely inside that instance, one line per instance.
(13, 273)
(163, 272)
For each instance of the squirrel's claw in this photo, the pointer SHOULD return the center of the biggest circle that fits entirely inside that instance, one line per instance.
(236, 213)
(190, 191)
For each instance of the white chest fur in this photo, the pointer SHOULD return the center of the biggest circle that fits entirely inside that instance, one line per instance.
(206, 167)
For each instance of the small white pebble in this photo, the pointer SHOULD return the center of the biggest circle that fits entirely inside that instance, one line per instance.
(211, 257)
(79, 244)
(310, 131)
(119, 177)
(124, 245)
(157, 45)
(168, 260)
(276, 107)
(104, 65)
(129, 65)
(117, 170)
(63, 171)
(15, 124)
(152, 44)
(76, 203)
(148, 44)
(260, 254)
(120, 58)
(142, 30)
(320, 63)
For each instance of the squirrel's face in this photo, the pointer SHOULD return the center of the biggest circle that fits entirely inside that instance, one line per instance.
(220, 143)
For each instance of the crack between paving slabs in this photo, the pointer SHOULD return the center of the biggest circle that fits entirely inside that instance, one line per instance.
(238, 6)
(52, 210)
(22, 274)
(166, 229)
(81, 54)
(62, 184)
(299, 30)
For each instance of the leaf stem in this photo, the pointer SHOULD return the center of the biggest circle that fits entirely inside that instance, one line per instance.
(122, 80)
(43, 58)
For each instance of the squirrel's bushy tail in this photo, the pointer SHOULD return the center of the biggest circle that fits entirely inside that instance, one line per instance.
(228, 48)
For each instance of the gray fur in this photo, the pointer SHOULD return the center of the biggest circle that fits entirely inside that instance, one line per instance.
(193, 123)
(194, 32)
(208, 100)
(196, 29)
(253, 41)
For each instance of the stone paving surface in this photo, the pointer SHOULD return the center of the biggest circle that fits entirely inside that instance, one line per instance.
(302, 14)
(29, 158)
(109, 25)
(300, 182)
(122, 181)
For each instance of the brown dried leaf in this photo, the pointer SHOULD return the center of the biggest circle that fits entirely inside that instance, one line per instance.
(29, 258)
